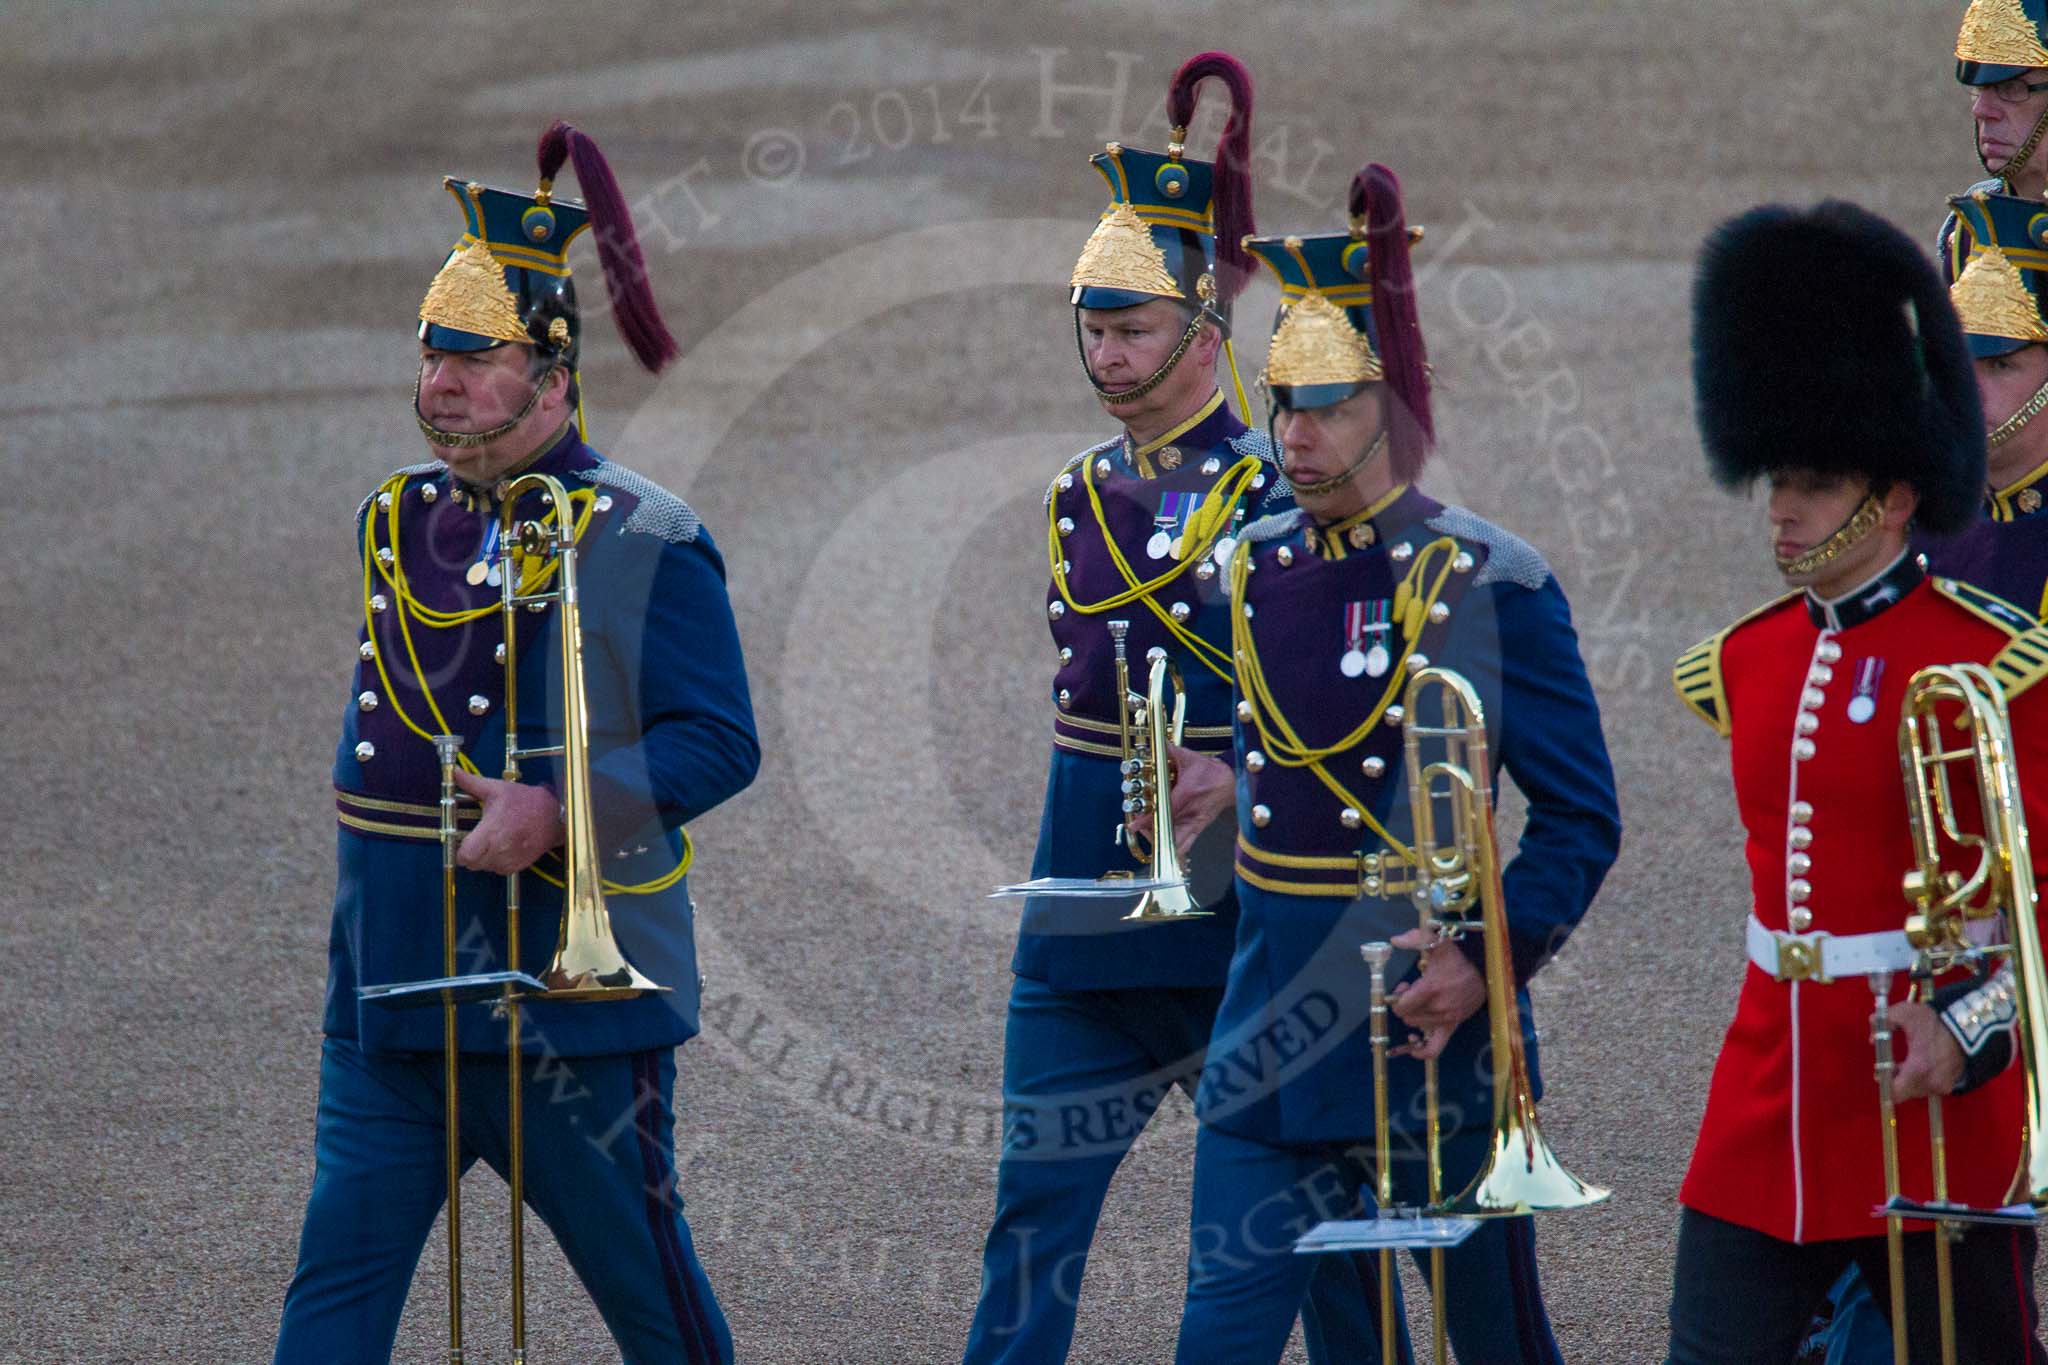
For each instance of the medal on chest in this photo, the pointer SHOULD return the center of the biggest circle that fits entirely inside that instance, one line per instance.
(1367, 626)
(485, 570)
(1863, 705)
(1174, 510)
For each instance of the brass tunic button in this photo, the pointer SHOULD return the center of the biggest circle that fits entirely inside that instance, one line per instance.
(2029, 499)
(1170, 457)
(1361, 535)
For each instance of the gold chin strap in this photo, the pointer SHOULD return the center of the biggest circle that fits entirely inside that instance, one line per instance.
(1338, 480)
(1158, 376)
(462, 440)
(1861, 523)
(2028, 411)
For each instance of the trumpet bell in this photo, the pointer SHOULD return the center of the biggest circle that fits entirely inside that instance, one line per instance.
(1522, 1175)
(1206, 876)
(588, 964)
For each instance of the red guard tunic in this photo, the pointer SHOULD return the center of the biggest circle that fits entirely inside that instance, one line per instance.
(1810, 699)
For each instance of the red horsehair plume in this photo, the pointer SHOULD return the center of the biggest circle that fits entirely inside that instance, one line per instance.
(618, 249)
(1376, 202)
(1231, 201)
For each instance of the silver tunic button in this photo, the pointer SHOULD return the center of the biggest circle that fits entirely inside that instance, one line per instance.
(1461, 562)
(1066, 654)
(1799, 864)
(1800, 837)
(1402, 553)
(1066, 525)
(1350, 818)
(1262, 816)
(498, 654)
(1812, 699)
(366, 651)
(1056, 610)
(1807, 723)
(1802, 812)
(377, 602)
(1258, 481)
(1829, 652)
(1417, 662)
(1205, 570)
(1066, 481)
(1102, 469)
(384, 555)
(1801, 919)
(1180, 611)
(1802, 749)
(1821, 675)
(1284, 555)
(1254, 762)
(1247, 611)
(383, 501)
(1394, 715)
(479, 704)
(1439, 612)
(429, 492)
(604, 502)
(367, 701)
(1066, 699)
(1799, 889)
(1244, 712)
(1212, 465)
(1374, 766)
(365, 751)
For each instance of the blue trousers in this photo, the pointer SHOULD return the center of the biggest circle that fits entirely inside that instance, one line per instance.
(1083, 1071)
(1245, 1282)
(599, 1169)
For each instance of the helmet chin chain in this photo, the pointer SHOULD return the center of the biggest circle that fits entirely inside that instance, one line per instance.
(2018, 160)
(2028, 411)
(1119, 397)
(1338, 480)
(1861, 523)
(462, 440)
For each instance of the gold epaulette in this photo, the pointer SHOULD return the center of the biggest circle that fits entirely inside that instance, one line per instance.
(1697, 674)
(2023, 662)
(1985, 606)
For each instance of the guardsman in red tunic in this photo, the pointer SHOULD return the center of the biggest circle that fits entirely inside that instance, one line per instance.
(1829, 364)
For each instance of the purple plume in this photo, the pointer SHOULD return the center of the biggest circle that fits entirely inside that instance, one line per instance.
(1231, 199)
(618, 248)
(1376, 199)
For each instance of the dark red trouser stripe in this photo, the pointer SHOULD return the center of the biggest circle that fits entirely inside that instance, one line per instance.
(657, 1189)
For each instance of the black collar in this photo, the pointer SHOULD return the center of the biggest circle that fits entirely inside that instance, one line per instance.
(1886, 590)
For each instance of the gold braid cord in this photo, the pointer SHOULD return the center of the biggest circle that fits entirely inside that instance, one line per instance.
(1992, 299)
(1316, 344)
(1998, 33)
(2028, 411)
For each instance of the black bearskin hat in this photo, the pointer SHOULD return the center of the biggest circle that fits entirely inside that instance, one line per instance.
(1823, 340)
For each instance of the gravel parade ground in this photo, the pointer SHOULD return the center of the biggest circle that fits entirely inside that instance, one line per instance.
(860, 221)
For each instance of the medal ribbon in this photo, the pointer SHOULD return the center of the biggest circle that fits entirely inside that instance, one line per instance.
(1204, 530)
(1277, 736)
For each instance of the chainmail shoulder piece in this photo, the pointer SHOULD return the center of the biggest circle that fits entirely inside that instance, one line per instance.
(427, 467)
(1509, 558)
(656, 511)
(1051, 489)
(1272, 527)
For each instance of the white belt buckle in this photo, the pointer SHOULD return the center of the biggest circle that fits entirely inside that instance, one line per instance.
(1803, 958)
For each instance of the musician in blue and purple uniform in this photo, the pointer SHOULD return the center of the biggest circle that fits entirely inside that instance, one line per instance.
(1107, 1016)
(1336, 604)
(1998, 298)
(671, 735)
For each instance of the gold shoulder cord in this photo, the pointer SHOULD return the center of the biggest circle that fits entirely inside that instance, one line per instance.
(1277, 736)
(405, 604)
(1198, 541)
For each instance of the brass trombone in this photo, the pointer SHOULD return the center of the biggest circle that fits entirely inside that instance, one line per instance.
(587, 964)
(1964, 697)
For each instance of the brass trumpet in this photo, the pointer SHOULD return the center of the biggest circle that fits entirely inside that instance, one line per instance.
(1968, 698)
(587, 964)
(1144, 731)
